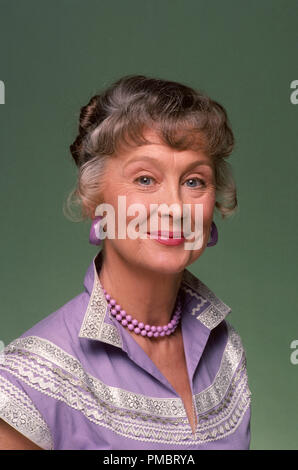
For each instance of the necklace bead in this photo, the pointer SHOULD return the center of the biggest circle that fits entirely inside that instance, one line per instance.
(139, 327)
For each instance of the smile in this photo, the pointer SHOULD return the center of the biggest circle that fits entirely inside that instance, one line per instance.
(167, 238)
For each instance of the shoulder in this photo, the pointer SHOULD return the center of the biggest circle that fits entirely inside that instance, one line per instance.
(233, 336)
(236, 358)
(230, 343)
(234, 339)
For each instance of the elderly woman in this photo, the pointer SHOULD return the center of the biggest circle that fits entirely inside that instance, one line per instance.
(144, 358)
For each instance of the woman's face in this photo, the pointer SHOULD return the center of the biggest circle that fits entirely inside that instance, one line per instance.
(154, 174)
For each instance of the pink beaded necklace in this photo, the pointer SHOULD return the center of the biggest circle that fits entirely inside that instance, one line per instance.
(138, 327)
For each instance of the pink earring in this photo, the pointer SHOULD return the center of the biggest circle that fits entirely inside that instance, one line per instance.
(94, 230)
(213, 235)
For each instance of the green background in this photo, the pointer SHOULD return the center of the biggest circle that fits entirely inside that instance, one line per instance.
(54, 56)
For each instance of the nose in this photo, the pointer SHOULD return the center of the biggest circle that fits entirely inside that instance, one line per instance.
(172, 206)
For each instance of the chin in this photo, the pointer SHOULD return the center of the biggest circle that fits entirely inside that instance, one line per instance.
(160, 259)
(170, 262)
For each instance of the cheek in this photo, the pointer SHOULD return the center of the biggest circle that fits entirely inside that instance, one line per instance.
(207, 202)
(121, 196)
(131, 202)
(208, 211)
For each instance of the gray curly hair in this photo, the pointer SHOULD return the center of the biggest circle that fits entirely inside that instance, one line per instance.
(182, 117)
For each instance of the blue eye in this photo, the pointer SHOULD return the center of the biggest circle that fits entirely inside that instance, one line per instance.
(145, 181)
(146, 178)
(196, 179)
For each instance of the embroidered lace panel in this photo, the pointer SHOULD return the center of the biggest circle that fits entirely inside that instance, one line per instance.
(220, 408)
(213, 314)
(93, 325)
(17, 409)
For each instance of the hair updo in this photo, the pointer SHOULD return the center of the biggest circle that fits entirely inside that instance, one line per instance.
(182, 117)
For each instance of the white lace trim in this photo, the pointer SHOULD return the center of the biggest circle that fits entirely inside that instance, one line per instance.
(17, 409)
(220, 407)
(213, 314)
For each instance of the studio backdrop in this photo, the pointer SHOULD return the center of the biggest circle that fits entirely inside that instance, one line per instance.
(54, 56)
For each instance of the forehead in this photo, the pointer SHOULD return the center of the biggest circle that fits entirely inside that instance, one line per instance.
(160, 151)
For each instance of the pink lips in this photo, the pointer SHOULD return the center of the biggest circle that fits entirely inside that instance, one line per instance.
(167, 238)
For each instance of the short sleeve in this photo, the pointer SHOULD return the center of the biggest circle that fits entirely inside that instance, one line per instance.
(19, 404)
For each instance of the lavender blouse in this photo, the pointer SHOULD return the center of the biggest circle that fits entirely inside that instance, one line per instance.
(78, 380)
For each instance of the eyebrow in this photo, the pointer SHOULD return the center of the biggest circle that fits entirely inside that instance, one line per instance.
(156, 160)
